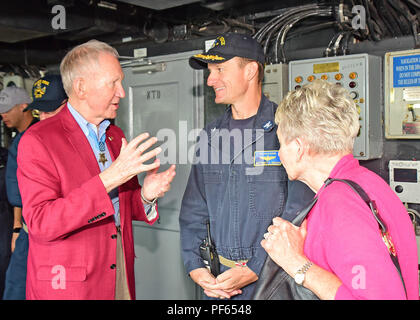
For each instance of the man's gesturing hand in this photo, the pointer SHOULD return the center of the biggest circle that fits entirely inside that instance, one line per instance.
(130, 162)
(156, 184)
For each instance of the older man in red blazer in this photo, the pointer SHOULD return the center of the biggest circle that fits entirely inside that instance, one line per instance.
(80, 193)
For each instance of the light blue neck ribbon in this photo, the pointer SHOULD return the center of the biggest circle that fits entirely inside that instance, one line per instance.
(100, 144)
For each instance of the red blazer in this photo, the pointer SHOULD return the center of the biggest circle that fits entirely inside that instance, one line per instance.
(72, 242)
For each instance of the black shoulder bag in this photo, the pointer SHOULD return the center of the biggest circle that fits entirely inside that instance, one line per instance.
(275, 284)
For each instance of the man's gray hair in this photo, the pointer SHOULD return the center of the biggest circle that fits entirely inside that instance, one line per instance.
(78, 60)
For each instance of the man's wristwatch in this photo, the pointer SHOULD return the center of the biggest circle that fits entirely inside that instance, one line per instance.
(300, 274)
(16, 230)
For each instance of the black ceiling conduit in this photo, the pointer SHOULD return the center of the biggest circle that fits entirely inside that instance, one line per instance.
(384, 18)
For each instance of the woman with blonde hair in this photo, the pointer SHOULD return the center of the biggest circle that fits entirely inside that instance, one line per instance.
(338, 252)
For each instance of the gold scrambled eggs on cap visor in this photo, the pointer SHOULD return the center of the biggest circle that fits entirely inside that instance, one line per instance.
(209, 57)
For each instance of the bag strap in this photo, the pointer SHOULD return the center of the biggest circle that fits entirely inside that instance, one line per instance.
(382, 226)
(297, 221)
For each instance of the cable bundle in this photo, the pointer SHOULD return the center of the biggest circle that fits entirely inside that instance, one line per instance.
(383, 18)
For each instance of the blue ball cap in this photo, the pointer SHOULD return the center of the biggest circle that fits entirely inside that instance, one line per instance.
(227, 46)
(47, 93)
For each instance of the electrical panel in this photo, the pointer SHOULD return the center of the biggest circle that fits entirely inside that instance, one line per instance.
(404, 180)
(275, 85)
(361, 75)
(402, 94)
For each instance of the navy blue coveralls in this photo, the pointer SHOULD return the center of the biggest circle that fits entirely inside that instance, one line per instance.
(15, 286)
(239, 198)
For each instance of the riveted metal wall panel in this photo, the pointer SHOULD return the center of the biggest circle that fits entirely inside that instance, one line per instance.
(164, 97)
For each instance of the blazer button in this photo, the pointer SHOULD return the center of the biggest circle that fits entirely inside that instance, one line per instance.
(114, 236)
(113, 266)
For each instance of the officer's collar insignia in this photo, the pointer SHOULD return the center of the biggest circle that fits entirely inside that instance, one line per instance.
(268, 125)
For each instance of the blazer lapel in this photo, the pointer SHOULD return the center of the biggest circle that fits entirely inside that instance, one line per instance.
(113, 142)
(78, 140)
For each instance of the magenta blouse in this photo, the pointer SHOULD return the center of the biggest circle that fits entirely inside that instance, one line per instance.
(343, 237)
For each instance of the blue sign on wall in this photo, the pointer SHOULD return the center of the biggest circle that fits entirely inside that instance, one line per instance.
(406, 71)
